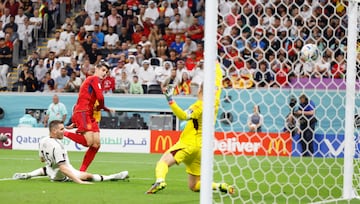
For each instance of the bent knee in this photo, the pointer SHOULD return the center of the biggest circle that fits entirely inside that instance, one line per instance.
(96, 145)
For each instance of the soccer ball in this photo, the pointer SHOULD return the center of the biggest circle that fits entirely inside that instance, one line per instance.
(309, 53)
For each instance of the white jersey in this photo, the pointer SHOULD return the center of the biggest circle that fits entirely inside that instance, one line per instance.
(54, 153)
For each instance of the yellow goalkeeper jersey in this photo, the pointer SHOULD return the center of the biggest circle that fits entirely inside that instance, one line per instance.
(96, 113)
(192, 133)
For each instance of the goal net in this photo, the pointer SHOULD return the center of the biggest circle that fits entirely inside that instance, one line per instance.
(296, 155)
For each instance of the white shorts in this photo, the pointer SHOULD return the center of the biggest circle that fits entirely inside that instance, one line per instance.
(57, 175)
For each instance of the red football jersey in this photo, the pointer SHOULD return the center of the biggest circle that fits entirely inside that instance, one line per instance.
(89, 92)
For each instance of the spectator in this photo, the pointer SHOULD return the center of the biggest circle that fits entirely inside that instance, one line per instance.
(85, 69)
(322, 68)
(55, 111)
(28, 120)
(61, 81)
(180, 68)
(19, 18)
(13, 7)
(5, 18)
(263, 76)
(188, 47)
(30, 82)
(132, 67)
(66, 34)
(36, 20)
(181, 7)
(196, 31)
(147, 74)
(94, 55)
(73, 67)
(56, 45)
(155, 35)
(91, 7)
(338, 70)
(177, 45)
(111, 39)
(147, 51)
(48, 83)
(6, 63)
(80, 19)
(11, 24)
(255, 120)
(105, 26)
(25, 34)
(81, 35)
(73, 84)
(183, 87)
(125, 36)
(171, 80)
(89, 27)
(188, 18)
(198, 74)
(50, 60)
(40, 71)
(56, 70)
(307, 121)
(108, 83)
(112, 19)
(97, 20)
(122, 84)
(166, 10)
(135, 86)
(191, 61)
(163, 72)
(162, 48)
(177, 26)
(33, 60)
(151, 12)
(87, 44)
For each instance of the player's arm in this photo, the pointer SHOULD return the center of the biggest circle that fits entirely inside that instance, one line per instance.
(96, 85)
(64, 168)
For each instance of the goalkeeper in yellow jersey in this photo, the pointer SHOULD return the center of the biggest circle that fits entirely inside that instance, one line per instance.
(188, 149)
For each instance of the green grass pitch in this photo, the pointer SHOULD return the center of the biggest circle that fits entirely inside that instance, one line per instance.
(141, 171)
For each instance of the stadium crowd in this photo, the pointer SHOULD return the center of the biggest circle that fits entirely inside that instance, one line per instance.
(150, 44)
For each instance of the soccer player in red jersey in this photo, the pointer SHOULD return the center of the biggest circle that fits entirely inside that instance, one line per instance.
(87, 133)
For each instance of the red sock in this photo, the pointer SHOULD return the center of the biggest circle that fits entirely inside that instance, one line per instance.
(78, 138)
(88, 158)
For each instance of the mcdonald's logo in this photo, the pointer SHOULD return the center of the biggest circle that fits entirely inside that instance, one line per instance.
(277, 145)
(163, 140)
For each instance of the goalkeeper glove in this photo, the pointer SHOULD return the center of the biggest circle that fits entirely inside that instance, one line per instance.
(169, 93)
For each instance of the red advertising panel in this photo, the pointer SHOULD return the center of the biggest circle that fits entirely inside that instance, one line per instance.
(7, 132)
(261, 144)
(162, 140)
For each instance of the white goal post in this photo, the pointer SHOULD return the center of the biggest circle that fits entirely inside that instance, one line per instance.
(275, 171)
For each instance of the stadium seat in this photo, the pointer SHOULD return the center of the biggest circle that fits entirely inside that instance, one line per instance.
(109, 123)
(154, 89)
(156, 61)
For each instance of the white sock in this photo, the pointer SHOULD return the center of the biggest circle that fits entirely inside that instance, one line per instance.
(37, 172)
(98, 177)
(159, 180)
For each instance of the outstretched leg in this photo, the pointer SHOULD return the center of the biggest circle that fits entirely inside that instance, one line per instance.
(161, 170)
(36, 172)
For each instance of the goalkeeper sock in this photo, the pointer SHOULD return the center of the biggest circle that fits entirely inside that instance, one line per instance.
(78, 138)
(88, 158)
(197, 187)
(37, 172)
(215, 186)
(161, 170)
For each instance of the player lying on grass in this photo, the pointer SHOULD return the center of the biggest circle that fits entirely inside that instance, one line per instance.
(188, 149)
(58, 167)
